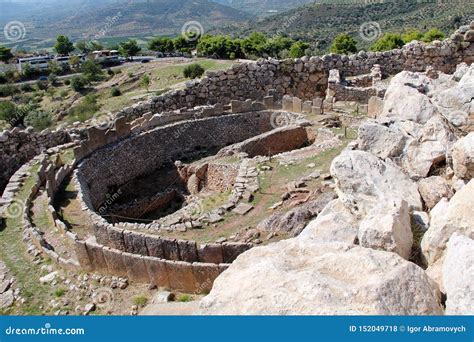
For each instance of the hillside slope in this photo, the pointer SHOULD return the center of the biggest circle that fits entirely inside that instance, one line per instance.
(263, 7)
(320, 23)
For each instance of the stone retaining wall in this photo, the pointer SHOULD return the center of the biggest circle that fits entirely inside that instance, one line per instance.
(307, 77)
(19, 146)
(141, 154)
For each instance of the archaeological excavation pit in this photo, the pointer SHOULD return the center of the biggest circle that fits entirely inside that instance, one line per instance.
(150, 174)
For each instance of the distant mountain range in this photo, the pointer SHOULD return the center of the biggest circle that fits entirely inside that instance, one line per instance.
(315, 22)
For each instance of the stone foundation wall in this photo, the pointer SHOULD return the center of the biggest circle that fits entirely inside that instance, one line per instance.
(19, 146)
(143, 153)
(306, 77)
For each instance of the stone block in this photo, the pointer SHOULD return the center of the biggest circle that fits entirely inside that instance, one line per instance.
(135, 243)
(205, 275)
(287, 103)
(211, 253)
(375, 107)
(181, 276)
(187, 251)
(157, 271)
(114, 261)
(307, 107)
(116, 238)
(170, 249)
(101, 235)
(136, 268)
(96, 256)
(316, 110)
(154, 246)
(231, 250)
(268, 102)
(236, 106)
(242, 208)
(297, 105)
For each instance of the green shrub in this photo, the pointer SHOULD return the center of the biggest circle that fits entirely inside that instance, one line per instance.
(433, 34)
(59, 292)
(298, 49)
(3, 78)
(41, 85)
(193, 71)
(78, 83)
(26, 87)
(67, 81)
(140, 300)
(389, 41)
(115, 91)
(91, 71)
(7, 110)
(8, 90)
(85, 109)
(411, 36)
(53, 79)
(344, 44)
(39, 121)
(184, 298)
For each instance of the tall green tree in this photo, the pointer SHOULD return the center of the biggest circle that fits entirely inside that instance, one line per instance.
(63, 45)
(5, 54)
(129, 48)
(161, 44)
(344, 44)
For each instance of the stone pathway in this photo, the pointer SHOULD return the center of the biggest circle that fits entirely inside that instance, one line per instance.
(6, 291)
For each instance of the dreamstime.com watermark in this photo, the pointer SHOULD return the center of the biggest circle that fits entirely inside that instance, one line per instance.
(14, 31)
(46, 330)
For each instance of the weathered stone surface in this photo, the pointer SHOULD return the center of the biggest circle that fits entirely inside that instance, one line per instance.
(187, 251)
(231, 250)
(6, 299)
(432, 189)
(157, 271)
(334, 223)
(364, 180)
(242, 208)
(296, 219)
(114, 261)
(205, 275)
(136, 267)
(430, 147)
(463, 157)
(181, 276)
(375, 107)
(154, 246)
(384, 141)
(458, 275)
(298, 277)
(404, 100)
(387, 227)
(210, 253)
(135, 243)
(455, 216)
(170, 249)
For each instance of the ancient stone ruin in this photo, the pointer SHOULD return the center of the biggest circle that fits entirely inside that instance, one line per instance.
(386, 227)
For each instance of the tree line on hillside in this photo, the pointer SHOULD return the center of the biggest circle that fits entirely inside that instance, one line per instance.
(345, 44)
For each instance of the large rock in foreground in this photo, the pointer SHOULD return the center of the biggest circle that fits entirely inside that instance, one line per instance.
(463, 157)
(455, 216)
(364, 180)
(458, 276)
(387, 227)
(300, 277)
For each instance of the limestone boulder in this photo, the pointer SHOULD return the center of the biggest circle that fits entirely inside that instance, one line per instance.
(458, 275)
(388, 227)
(463, 157)
(406, 98)
(301, 277)
(447, 218)
(433, 189)
(430, 148)
(334, 223)
(364, 180)
(382, 140)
